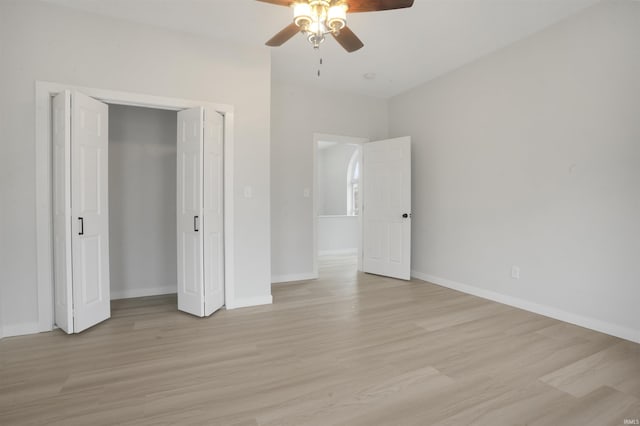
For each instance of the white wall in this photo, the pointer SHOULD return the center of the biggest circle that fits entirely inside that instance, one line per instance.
(1, 320)
(333, 165)
(44, 42)
(142, 201)
(294, 120)
(5, 175)
(338, 234)
(531, 157)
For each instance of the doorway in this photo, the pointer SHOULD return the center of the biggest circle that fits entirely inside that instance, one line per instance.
(44, 180)
(142, 201)
(338, 201)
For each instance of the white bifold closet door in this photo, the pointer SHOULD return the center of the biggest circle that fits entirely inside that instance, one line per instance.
(387, 208)
(63, 293)
(200, 211)
(80, 205)
(80, 211)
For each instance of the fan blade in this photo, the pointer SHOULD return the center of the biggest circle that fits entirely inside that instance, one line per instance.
(375, 5)
(278, 2)
(348, 40)
(284, 35)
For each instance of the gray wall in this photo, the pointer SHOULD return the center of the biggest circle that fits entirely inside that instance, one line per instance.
(142, 201)
(294, 121)
(333, 163)
(531, 157)
(51, 43)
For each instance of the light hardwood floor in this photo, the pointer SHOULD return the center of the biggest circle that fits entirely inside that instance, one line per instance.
(347, 349)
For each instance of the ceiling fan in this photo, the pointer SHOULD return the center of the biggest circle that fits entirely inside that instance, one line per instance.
(318, 18)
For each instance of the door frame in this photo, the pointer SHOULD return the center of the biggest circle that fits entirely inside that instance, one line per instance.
(352, 140)
(43, 143)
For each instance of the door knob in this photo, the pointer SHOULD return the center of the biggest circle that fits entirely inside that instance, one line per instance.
(405, 215)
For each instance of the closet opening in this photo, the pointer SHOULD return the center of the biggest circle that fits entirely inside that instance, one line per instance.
(166, 195)
(142, 202)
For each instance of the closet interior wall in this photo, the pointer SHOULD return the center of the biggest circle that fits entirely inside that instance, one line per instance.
(142, 201)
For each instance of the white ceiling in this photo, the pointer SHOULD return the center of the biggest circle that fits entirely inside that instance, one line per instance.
(403, 48)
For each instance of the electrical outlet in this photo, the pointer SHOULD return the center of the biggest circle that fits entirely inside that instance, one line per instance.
(515, 272)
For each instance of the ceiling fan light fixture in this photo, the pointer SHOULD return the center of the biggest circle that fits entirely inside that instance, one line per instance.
(317, 28)
(302, 15)
(318, 18)
(337, 17)
(315, 39)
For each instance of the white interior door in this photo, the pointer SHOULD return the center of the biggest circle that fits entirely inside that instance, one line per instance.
(387, 208)
(63, 292)
(89, 211)
(212, 223)
(190, 211)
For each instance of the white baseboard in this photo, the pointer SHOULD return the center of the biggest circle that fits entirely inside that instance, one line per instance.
(250, 301)
(33, 328)
(20, 329)
(338, 252)
(559, 314)
(143, 292)
(293, 277)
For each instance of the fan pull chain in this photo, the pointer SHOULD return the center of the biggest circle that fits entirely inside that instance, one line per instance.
(319, 67)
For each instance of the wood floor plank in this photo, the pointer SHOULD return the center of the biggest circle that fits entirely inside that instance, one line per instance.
(346, 349)
(617, 366)
(604, 406)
